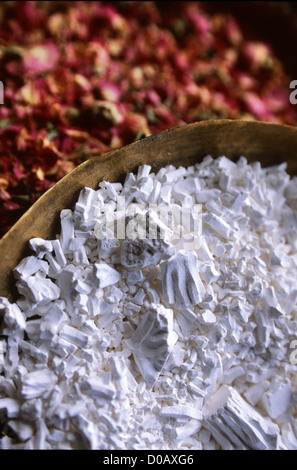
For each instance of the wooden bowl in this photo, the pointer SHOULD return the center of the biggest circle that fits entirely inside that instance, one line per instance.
(268, 143)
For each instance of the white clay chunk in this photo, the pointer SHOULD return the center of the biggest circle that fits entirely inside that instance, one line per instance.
(180, 280)
(153, 342)
(234, 421)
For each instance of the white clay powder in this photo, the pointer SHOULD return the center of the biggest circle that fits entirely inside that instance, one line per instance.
(180, 341)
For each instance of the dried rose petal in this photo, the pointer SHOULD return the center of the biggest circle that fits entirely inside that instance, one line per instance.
(255, 105)
(41, 58)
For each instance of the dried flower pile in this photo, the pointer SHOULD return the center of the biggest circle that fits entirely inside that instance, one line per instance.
(81, 78)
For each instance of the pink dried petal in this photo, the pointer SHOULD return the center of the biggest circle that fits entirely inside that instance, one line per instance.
(18, 173)
(256, 106)
(198, 20)
(244, 80)
(30, 93)
(109, 111)
(4, 195)
(82, 82)
(277, 99)
(4, 113)
(97, 55)
(257, 54)
(233, 31)
(109, 91)
(10, 205)
(153, 97)
(56, 23)
(116, 140)
(41, 58)
(109, 15)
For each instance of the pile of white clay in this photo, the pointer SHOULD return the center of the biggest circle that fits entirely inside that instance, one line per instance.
(179, 333)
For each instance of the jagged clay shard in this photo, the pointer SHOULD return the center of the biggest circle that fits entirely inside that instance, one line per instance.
(180, 281)
(237, 425)
(145, 252)
(152, 342)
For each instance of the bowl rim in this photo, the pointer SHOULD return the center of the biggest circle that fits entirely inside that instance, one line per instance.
(16, 236)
